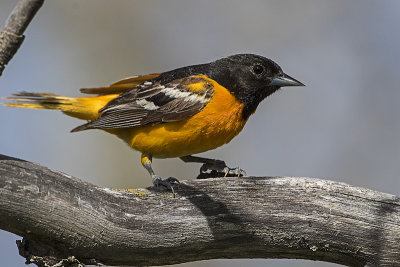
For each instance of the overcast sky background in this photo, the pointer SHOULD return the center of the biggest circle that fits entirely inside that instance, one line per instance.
(343, 126)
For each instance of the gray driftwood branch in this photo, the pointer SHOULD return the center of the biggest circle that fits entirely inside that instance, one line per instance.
(65, 219)
(11, 36)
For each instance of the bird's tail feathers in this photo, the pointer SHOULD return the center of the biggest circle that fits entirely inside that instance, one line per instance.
(85, 108)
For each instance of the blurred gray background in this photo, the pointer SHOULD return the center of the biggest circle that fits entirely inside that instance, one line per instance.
(343, 126)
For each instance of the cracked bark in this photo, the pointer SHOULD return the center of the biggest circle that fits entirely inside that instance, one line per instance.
(64, 218)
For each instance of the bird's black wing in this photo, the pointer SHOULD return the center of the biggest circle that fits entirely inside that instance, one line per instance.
(153, 103)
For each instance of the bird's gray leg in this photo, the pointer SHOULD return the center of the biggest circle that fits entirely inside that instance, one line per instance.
(157, 181)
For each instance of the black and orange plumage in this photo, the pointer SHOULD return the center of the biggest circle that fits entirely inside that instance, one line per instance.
(176, 113)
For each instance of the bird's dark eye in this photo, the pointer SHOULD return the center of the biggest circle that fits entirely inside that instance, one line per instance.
(258, 69)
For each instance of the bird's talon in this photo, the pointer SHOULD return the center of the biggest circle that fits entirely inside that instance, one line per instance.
(168, 182)
(234, 172)
(219, 169)
(226, 171)
(172, 180)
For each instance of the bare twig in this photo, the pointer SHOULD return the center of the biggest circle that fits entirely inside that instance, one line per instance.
(63, 219)
(11, 37)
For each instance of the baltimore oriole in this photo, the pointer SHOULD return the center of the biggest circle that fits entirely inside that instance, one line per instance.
(176, 113)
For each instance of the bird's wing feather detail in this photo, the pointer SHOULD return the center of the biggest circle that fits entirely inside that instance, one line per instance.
(120, 86)
(150, 104)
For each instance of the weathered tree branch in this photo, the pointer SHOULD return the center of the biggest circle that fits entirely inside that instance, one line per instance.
(61, 217)
(11, 36)
(65, 221)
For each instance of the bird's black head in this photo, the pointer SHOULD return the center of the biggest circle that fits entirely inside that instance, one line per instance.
(251, 78)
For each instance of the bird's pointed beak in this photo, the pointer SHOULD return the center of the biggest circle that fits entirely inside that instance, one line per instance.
(285, 80)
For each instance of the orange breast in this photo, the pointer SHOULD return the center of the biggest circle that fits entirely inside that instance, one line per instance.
(215, 125)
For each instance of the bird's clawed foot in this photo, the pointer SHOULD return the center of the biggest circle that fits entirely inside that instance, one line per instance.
(167, 183)
(219, 169)
(234, 172)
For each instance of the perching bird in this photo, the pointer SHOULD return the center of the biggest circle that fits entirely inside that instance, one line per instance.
(175, 113)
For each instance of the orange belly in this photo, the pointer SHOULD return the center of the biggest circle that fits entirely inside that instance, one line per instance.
(215, 125)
